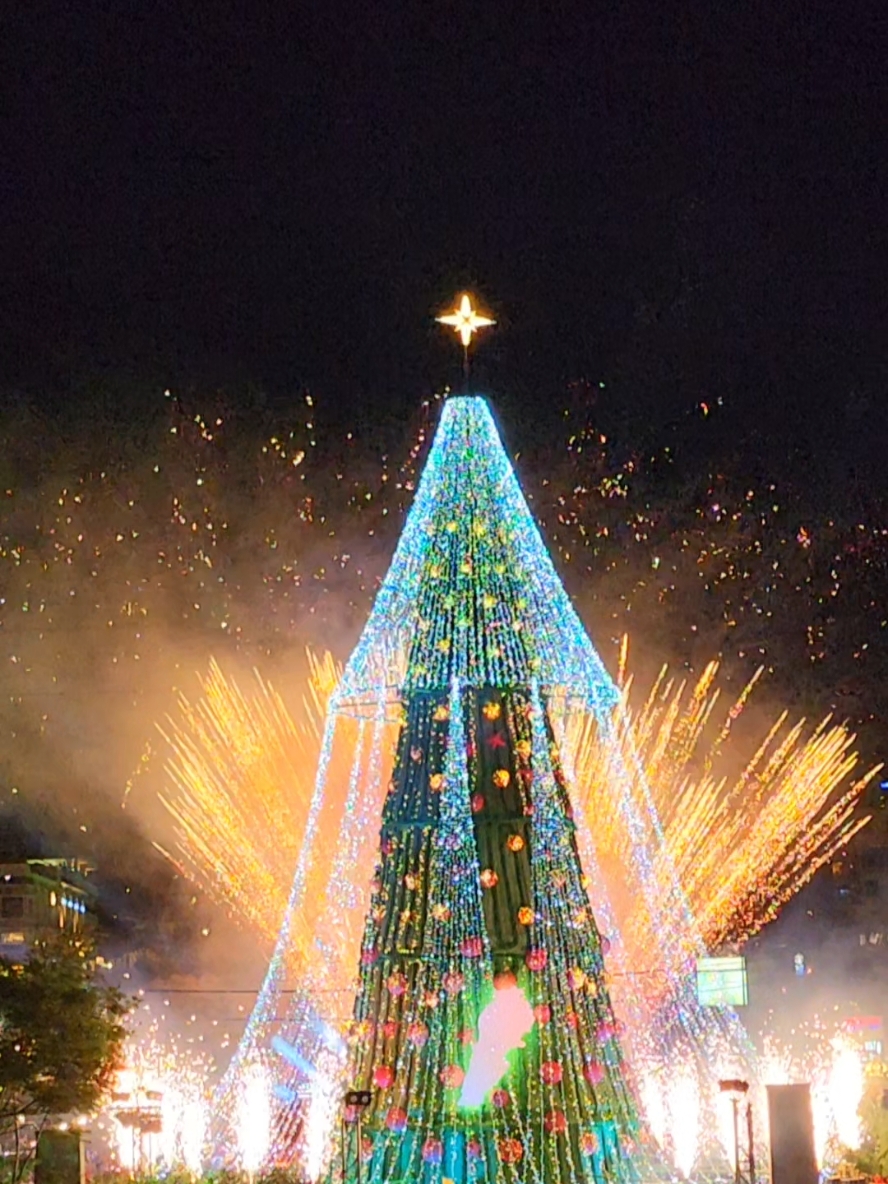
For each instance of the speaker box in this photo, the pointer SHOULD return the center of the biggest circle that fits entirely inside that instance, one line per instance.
(791, 1124)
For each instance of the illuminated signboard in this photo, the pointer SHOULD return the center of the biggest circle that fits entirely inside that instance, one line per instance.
(721, 982)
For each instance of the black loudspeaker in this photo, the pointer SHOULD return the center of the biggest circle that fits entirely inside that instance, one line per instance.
(59, 1158)
(793, 1160)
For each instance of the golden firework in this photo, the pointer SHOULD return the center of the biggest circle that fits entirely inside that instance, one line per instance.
(736, 835)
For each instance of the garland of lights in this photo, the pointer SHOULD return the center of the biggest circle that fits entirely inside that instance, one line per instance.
(472, 617)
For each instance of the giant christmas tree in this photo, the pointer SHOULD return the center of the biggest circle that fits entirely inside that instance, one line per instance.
(482, 1029)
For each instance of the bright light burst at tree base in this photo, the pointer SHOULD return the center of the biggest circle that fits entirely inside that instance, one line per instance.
(479, 930)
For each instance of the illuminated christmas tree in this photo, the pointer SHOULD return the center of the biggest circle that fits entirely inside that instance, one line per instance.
(483, 1029)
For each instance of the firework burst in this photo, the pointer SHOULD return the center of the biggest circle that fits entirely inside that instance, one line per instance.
(741, 843)
(240, 771)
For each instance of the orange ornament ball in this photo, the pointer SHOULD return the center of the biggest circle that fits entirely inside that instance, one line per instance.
(452, 1076)
(510, 1150)
(555, 1122)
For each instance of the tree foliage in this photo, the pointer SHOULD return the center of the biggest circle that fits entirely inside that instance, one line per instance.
(61, 1033)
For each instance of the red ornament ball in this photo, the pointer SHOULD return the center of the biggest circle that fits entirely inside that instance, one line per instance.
(504, 980)
(510, 1150)
(472, 947)
(473, 1148)
(432, 1150)
(389, 1029)
(551, 1072)
(542, 1013)
(396, 1119)
(383, 1077)
(536, 959)
(478, 803)
(500, 1098)
(555, 1122)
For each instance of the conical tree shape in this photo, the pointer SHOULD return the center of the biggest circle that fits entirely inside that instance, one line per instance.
(483, 1027)
(471, 591)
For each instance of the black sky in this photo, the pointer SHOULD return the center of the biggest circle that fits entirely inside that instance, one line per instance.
(689, 200)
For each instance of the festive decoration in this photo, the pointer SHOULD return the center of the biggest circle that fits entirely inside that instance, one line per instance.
(473, 650)
(472, 617)
(465, 320)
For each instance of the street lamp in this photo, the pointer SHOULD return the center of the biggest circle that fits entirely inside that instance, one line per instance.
(356, 1101)
(738, 1090)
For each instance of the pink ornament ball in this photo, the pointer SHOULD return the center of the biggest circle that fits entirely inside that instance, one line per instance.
(594, 1072)
(397, 984)
(453, 982)
(417, 1033)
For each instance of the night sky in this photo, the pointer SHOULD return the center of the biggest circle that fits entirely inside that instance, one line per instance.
(690, 201)
(672, 215)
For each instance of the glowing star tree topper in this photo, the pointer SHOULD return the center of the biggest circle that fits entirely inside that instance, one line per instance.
(466, 322)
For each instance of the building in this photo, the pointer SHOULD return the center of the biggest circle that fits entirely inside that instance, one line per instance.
(40, 898)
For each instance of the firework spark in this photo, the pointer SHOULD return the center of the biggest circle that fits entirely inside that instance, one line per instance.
(158, 1114)
(240, 771)
(743, 844)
